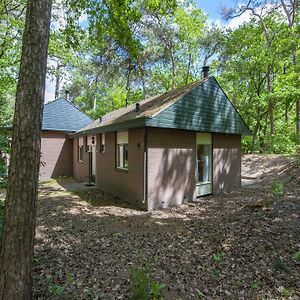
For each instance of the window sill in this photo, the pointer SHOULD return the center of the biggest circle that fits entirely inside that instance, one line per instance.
(81, 161)
(122, 170)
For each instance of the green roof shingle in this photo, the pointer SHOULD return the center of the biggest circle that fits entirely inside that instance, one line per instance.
(200, 106)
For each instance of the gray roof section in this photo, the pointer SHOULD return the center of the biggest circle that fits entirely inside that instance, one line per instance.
(62, 115)
(199, 106)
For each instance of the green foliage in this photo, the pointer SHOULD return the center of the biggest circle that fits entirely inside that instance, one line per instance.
(215, 273)
(280, 265)
(141, 285)
(296, 256)
(286, 292)
(200, 294)
(56, 289)
(260, 76)
(218, 256)
(278, 188)
(254, 286)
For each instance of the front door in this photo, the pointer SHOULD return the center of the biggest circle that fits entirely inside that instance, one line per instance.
(203, 164)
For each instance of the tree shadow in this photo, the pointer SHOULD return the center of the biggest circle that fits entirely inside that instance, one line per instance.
(99, 246)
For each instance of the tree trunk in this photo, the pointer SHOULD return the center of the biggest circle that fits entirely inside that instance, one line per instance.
(143, 80)
(57, 81)
(20, 204)
(173, 68)
(95, 94)
(270, 103)
(188, 68)
(298, 123)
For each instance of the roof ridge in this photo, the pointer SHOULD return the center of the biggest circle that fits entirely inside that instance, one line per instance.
(69, 102)
(51, 101)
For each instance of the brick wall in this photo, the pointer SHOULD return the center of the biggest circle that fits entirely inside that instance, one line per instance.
(80, 169)
(129, 184)
(56, 155)
(171, 167)
(226, 162)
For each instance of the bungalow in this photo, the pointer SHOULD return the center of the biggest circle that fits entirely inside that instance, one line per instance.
(60, 118)
(166, 150)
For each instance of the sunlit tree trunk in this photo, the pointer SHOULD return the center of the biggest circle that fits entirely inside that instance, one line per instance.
(20, 203)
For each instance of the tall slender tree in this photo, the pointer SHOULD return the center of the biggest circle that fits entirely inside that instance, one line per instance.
(20, 203)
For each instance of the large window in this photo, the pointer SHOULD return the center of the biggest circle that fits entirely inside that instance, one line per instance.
(204, 164)
(122, 150)
(80, 149)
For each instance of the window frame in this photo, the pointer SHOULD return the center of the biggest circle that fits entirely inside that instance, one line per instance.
(102, 143)
(122, 150)
(80, 150)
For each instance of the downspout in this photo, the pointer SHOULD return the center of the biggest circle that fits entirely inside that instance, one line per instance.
(145, 166)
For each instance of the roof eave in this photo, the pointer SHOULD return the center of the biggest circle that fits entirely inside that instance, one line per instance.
(133, 123)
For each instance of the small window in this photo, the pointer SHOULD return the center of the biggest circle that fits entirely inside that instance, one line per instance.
(102, 146)
(80, 149)
(122, 150)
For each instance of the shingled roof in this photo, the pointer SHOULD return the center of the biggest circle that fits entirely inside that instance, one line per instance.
(62, 115)
(200, 106)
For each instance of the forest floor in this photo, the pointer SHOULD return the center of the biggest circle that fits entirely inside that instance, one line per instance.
(241, 245)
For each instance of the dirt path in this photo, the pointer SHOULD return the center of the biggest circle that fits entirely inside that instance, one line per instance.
(241, 245)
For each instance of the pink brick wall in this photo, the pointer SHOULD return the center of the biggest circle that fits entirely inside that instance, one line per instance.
(226, 162)
(171, 167)
(80, 169)
(56, 155)
(129, 184)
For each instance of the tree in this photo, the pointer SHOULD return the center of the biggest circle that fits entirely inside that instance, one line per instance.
(20, 203)
(262, 11)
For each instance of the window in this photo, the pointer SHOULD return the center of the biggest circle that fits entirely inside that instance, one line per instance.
(122, 150)
(80, 149)
(102, 146)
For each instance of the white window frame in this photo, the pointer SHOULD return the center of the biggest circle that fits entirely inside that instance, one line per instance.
(80, 149)
(102, 144)
(122, 150)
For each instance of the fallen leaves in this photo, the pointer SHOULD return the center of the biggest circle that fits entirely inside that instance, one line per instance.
(218, 248)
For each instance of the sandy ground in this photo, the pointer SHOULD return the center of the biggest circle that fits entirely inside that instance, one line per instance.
(240, 245)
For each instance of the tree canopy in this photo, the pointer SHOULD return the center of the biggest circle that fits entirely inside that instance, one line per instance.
(108, 54)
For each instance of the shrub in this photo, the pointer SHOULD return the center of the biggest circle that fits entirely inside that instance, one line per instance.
(278, 188)
(296, 256)
(141, 285)
(280, 265)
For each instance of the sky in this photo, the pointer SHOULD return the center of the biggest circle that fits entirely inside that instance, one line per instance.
(210, 7)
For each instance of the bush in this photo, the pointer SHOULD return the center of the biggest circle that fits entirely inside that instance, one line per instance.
(278, 188)
(141, 285)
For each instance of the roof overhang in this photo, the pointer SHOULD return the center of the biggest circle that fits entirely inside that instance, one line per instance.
(133, 123)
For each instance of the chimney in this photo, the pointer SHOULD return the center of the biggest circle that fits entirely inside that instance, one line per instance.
(205, 71)
(137, 107)
(67, 95)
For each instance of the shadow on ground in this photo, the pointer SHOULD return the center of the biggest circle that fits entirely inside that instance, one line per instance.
(233, 246)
